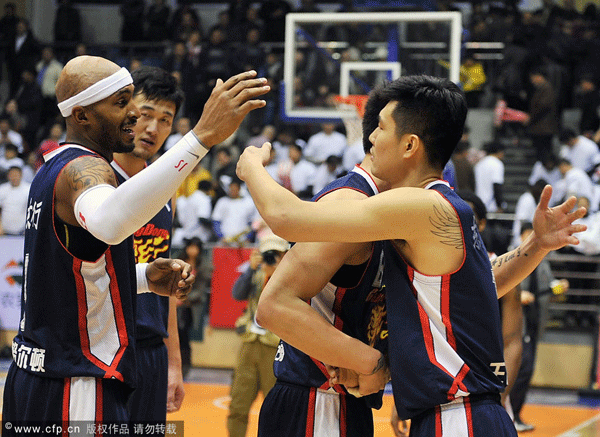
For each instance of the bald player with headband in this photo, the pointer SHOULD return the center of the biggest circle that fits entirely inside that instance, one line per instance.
(73, 356)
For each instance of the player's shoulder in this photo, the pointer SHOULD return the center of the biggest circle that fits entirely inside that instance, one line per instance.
(86, 171)
(343, 193)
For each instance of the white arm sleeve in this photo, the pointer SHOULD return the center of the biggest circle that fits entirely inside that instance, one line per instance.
(112, 214)
(141, 279)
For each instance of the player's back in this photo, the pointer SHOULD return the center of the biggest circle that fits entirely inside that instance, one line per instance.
(447, 327)
(350, 301)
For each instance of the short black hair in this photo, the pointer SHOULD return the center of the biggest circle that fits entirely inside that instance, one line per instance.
(334, 160)
(157, 84)
(433, 108)
(566, 135)
(193, 241)
(493, 147)
(537, 188)
(478, 206)
(462, 146)
(204, 185)
(375, 103)
(11, 146)
(15, 167)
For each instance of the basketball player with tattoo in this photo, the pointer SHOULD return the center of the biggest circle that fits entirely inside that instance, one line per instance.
(74, 354)
(445, 346)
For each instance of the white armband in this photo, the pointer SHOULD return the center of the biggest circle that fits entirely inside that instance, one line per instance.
(113, 214)
(141, 278)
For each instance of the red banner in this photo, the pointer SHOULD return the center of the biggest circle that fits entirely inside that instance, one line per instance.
(227, 262)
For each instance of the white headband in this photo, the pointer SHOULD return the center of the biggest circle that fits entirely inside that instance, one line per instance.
(96, 92)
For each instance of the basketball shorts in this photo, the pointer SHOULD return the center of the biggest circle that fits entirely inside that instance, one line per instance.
(296, 411)
(42, 405)
(474, 416)
(148, 403)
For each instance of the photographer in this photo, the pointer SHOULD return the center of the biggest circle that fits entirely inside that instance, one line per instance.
(254, 369)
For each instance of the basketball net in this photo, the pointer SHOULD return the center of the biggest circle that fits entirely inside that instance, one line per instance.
(353, 124)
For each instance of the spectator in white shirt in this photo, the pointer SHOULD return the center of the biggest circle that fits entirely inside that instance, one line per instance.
(325, 143)
(589, 240)
(489, 177)
(354, 154)
(548, 171)
(13, 203)
(582, 152)
(525, 209)
(193, 213)
(29, 167)
(327, 172)
(285, 138)
(233, 215)
(574, 182)
(297, 174)
(9, 159)
(7, 135)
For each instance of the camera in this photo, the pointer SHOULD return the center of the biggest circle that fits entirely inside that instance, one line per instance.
(270, 257)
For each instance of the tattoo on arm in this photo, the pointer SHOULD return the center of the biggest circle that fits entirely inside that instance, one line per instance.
(380, 365)
(446, 225)
(507, 257)
(88, 171)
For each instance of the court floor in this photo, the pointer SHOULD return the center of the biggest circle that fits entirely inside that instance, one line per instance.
(554, 413)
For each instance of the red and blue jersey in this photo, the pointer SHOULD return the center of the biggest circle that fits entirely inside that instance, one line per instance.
(445, 339)
(352, 301)
(78, 295)
(151, 241)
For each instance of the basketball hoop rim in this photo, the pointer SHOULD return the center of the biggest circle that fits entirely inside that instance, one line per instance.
(359, 101)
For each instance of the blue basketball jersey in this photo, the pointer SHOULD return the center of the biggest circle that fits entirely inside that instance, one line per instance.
(77, 312)
(151, 241)
(445, 338)
(357, 307)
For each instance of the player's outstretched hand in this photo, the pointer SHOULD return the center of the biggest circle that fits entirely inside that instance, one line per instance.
(228, 104)
(553, 227)
(252, 157)
(170, 277)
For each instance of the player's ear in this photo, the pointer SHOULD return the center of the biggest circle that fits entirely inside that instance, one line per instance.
(411, 143)
(79, 115)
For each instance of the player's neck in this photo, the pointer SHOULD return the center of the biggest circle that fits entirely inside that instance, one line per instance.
(131, 164)
(366, 165)
(85, 141)
(418, 177)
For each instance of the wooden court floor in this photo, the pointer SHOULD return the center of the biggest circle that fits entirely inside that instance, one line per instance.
(204, 413)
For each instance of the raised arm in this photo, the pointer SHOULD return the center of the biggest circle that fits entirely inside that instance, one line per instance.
(110, 214)
(553, 228)
(394, 214)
